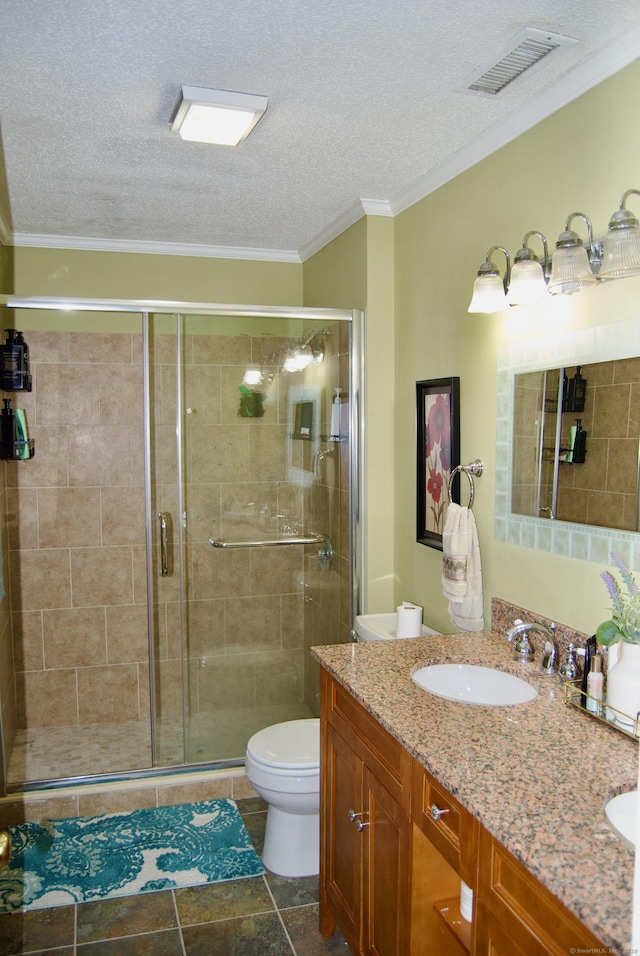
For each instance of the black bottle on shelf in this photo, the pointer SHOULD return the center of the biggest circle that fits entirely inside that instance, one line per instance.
(7, 431)
(579, 444)
(14, 377)
(578, 391)
(26, 370)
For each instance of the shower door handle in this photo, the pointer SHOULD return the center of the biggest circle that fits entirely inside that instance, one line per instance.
(164, 519)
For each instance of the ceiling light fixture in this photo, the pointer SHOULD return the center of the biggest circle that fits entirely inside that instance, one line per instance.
(575, 265)
(221, 117)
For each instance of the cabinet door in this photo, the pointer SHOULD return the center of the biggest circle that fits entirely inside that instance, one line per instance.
(342, 844)
(516, 914)
(386, 872)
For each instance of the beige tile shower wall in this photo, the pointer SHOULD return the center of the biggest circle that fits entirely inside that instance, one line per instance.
(76, 534)
(527, 403)
(602, 490)
(7, 675)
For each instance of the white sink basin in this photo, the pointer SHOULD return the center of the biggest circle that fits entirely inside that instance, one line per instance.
(472, 684)
(621, 814)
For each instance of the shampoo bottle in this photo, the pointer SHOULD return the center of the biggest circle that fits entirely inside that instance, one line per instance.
(12, 362)
(579, 391)
(335, 415)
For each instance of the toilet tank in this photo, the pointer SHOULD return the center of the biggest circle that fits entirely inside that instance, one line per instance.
(380, 627)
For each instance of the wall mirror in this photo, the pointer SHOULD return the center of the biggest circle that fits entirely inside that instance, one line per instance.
(575, 444)
(553, 493)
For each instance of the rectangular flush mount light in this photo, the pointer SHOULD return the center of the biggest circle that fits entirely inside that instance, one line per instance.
(217, 116)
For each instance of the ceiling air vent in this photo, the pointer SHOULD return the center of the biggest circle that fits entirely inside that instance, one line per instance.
(526, 50)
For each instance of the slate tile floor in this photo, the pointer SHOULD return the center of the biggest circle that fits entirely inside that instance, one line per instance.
(262, 916)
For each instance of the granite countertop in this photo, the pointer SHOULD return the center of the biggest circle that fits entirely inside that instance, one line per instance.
(536, 775)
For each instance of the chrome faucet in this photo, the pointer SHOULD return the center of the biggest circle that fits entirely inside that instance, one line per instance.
(523, 649)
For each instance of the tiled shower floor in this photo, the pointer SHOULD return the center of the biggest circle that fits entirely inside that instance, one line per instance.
(47, 753)
(262, 916)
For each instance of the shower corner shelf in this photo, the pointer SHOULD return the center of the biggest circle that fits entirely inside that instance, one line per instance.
(334, 438)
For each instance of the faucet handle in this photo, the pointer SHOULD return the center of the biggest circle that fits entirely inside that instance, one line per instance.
(523, 650)
(511, 633)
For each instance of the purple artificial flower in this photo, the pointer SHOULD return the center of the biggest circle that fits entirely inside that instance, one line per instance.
(625, 573)
(613, 589)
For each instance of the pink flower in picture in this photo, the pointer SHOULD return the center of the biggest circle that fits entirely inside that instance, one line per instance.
(434, 485)
(439, 429)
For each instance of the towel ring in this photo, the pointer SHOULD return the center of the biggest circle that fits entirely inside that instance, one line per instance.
(475, 468)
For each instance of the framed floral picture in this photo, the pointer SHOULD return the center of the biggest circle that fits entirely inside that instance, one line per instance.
(438, 428)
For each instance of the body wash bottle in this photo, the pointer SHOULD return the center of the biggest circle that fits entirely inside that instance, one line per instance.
(335, 415)
(22, 434)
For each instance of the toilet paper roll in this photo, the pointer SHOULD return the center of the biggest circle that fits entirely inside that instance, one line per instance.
(466, 901)
(409, 620)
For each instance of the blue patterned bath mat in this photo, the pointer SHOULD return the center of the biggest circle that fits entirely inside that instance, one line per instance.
(120, 854)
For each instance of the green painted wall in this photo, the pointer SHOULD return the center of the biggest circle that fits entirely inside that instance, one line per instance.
(356, 271)
(120, 275)
(581, 158)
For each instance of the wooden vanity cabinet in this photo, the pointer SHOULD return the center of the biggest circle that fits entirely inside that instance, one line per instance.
(516, 916)
(395, 846)
(365, 831)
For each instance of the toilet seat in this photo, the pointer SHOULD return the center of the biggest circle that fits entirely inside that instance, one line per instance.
(292, 746)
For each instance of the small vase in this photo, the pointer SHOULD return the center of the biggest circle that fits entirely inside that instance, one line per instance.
(623, 685)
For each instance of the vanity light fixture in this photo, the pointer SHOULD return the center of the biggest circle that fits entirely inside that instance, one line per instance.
(573, 267)
(221, 117)
(489, 289)
(529, 276)
(309, 352)
(621, 245)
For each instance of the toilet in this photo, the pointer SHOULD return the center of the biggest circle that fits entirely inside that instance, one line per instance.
(283, 765)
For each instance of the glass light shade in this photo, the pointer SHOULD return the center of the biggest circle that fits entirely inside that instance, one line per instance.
(570, 271)
(527, 283)
(621, 253)
(488, 295)
(252, 376)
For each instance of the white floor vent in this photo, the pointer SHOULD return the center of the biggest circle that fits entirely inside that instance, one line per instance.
(526, 49)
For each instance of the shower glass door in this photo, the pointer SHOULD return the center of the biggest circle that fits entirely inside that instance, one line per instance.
(130, 641)
(245, 470)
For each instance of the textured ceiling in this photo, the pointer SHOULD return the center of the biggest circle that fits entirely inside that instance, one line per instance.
(363, 105)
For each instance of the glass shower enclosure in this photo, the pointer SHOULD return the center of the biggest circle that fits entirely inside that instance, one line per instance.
(186, 529)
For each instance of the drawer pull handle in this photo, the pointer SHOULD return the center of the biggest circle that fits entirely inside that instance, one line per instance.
(436, 812)
(357, 819)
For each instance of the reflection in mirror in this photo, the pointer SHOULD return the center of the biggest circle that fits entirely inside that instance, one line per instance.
(589, 347)
(575, 444)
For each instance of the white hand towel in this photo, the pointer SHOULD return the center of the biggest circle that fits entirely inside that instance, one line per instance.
(462, 569)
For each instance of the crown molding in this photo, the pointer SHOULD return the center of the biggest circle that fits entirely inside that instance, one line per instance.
(589, 74)
(154, 248)
(579, 81)
(348, 218)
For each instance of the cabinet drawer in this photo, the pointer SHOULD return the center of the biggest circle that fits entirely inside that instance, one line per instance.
(445, 822)
(378, 749)
(513, 903)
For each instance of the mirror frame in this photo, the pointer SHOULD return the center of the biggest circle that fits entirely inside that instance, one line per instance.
(582, 347)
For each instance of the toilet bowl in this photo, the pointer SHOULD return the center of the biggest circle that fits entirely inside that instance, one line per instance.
(283, 765)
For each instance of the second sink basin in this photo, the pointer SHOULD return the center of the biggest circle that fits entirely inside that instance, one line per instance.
(473, 684)
(621, 813)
